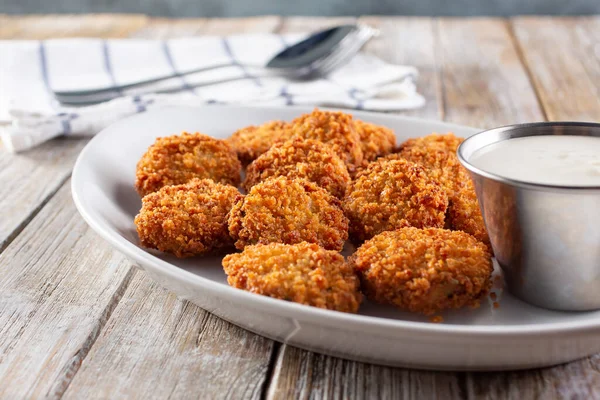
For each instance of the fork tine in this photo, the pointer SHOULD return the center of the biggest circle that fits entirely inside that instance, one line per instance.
(345, 46)
(344, 53)
(347, 52)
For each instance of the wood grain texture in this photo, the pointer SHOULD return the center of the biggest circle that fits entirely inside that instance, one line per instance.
(410, 41)
(575, 380)
(310, 24)
(563, 57)
(59, 286)
(165, 28)
(484, 81)
(176, 348)
(54, 26)
(229, 26)
(29, 180)
(300, 374)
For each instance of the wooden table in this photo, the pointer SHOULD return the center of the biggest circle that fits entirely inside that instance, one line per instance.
(78, 321)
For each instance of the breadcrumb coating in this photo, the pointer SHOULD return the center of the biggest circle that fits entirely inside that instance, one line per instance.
(303, 273)
(424, 270)
(177, 159)
(393, 194)
(375, 140)
(301, 158)
(442, 166)
(464, 213)
(336, 129)
(188, 219)
(437, 153)
(252, 141)
(284, 210)
(447, 142)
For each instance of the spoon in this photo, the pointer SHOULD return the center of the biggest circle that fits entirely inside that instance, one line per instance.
(318, 55)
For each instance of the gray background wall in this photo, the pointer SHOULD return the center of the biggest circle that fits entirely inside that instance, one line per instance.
(235, 8)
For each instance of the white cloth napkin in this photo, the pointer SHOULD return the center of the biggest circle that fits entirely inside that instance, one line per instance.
(31, 70)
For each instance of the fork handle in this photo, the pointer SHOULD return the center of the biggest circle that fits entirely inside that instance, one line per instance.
(118, 88)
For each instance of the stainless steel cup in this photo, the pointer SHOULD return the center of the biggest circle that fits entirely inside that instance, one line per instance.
(546, 238)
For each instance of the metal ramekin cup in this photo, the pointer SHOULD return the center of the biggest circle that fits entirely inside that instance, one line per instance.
(546, 238)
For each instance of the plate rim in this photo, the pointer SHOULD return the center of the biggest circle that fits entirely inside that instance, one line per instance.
(294, 310)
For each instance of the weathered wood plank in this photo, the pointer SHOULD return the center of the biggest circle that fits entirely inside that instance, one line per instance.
(576, 380)
(28, 180)
(166, 28)
(54, 301)
(300, 374)
(157, 346)
(229, 26)
(563, 57)
(484, 82)
(310, 24)
(54, 26)
(417, 49)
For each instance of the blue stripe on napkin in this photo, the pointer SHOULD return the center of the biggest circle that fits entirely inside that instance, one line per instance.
(359, 102)
(65, 120)
(108, 66)
(169, 57)
(44, 70)
(44, 66)
(141, 103)
(229, 53)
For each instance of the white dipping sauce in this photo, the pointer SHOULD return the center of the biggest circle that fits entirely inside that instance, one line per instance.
(550, 160)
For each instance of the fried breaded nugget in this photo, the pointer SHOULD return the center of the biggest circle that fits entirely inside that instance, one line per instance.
(284, 210)
(424, 270)
(252, 141)
(301, 158)
(303, 273)
(188, 219)
(437, 153)
(442, 166)
(375, 140)
(448, 142)
(336, 129)
(392, 194)
(464, 213)
(177, 159)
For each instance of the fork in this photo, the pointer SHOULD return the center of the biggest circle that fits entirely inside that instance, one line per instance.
(338, 55)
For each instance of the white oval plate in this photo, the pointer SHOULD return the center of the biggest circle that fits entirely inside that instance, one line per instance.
(513, 336)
